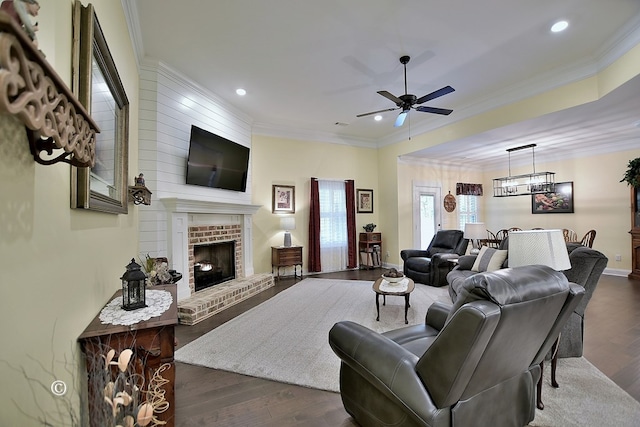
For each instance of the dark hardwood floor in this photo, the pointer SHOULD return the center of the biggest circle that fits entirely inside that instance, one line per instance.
(209, 397)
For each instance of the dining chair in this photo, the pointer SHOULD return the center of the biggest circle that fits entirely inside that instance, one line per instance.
(569, 235)
(502, 234)
(491, 240)
(588, 238)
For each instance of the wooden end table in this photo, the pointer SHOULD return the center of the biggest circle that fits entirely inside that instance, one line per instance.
(402, 292)
(286, 256)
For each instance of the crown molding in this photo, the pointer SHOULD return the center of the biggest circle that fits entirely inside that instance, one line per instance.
(266, 129)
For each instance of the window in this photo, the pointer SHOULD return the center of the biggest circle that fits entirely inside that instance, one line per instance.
(333, 225)
(467, 210)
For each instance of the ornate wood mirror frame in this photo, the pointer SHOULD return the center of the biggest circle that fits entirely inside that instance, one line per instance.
(97, 85)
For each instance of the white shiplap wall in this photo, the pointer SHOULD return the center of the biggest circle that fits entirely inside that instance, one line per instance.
(169, 105)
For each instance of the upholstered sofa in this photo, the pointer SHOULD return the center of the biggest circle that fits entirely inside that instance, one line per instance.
(587, 266)
(430, 266)
(475, 362)
(465, 267)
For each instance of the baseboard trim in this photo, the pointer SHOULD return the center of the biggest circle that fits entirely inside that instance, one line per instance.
(616, 272)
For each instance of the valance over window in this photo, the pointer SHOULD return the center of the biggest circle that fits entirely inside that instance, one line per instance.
(468, 189)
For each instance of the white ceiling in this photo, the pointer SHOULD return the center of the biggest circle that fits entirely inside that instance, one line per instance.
(307, 65)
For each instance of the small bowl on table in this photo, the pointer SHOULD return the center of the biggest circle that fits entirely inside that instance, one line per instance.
(393, 280)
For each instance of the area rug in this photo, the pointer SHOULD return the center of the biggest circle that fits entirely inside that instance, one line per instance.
(286, 339)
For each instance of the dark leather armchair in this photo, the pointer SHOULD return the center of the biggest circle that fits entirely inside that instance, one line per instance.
(430, 266)
(473, 363)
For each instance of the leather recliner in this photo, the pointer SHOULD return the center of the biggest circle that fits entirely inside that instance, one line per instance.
(429, 266)
(473, 363)
(587, 266)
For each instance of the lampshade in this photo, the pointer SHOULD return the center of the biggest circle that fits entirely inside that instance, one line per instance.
(475, 230)
(288, 223)
(538, 247)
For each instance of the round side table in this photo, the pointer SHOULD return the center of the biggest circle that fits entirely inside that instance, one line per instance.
(405, 287)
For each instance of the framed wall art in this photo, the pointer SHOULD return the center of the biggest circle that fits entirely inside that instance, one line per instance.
(559, 201)
(283, 199)
(364, 200)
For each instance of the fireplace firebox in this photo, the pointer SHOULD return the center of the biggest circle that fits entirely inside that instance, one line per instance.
(214, 264)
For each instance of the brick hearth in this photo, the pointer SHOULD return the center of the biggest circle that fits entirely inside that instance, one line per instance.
(204, 304)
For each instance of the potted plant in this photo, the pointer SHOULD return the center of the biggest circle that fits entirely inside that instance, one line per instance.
(632, 175)
(369, 227)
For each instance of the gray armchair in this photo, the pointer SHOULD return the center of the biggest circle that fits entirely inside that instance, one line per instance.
(473, 363)
(430, 266)
(587, 266)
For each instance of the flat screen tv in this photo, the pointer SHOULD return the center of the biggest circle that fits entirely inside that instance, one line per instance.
(216, 162)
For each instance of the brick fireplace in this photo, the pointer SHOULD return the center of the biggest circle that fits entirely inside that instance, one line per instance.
(203, 236)
(192, 222)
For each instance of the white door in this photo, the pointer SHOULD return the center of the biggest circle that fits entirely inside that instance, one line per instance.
(426, 214)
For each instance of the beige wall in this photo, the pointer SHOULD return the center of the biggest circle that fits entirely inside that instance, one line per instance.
(445, 177)
(291, 162)
(59, 266)
(599, 175)
(601, 202)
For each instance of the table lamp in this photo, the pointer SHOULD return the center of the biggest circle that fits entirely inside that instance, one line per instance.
(538, 247)
(475, 231)
(287, 224)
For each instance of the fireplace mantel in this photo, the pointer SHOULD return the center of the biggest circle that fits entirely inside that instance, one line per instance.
(174, 204)
(181, 212)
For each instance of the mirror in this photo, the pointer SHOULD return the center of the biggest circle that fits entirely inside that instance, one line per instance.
(98, 87)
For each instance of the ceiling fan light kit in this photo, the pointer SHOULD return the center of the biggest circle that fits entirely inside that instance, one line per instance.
(408, 101)
(526, 184)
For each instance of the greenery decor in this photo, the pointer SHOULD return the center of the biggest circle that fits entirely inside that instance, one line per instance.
(632, 175)
(369, 227)
(157, 272)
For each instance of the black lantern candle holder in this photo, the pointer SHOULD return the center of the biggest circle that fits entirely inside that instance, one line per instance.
(133, 287)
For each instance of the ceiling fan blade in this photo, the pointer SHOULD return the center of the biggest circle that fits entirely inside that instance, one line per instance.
(436, 94)
(434, 110)
(400, 120)
(390, 96)
(376, 112)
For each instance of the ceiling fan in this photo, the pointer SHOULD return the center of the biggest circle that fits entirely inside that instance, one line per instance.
(408, 101)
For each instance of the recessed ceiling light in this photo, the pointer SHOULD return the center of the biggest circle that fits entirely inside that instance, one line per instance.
(377, 118)
(559, 26)
(241, 92)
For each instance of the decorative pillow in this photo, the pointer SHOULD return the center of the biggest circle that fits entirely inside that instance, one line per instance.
(489, 259)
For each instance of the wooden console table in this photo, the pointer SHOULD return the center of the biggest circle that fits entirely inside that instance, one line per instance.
(152, 342)
(286, 256)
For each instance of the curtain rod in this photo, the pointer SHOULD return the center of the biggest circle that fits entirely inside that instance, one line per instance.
(332, 180)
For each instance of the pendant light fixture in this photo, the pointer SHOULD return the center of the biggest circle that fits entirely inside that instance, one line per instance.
(522, 185)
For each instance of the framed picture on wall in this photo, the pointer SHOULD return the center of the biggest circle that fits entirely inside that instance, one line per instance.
(364, 200)
(559, 201)
(283, 199)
